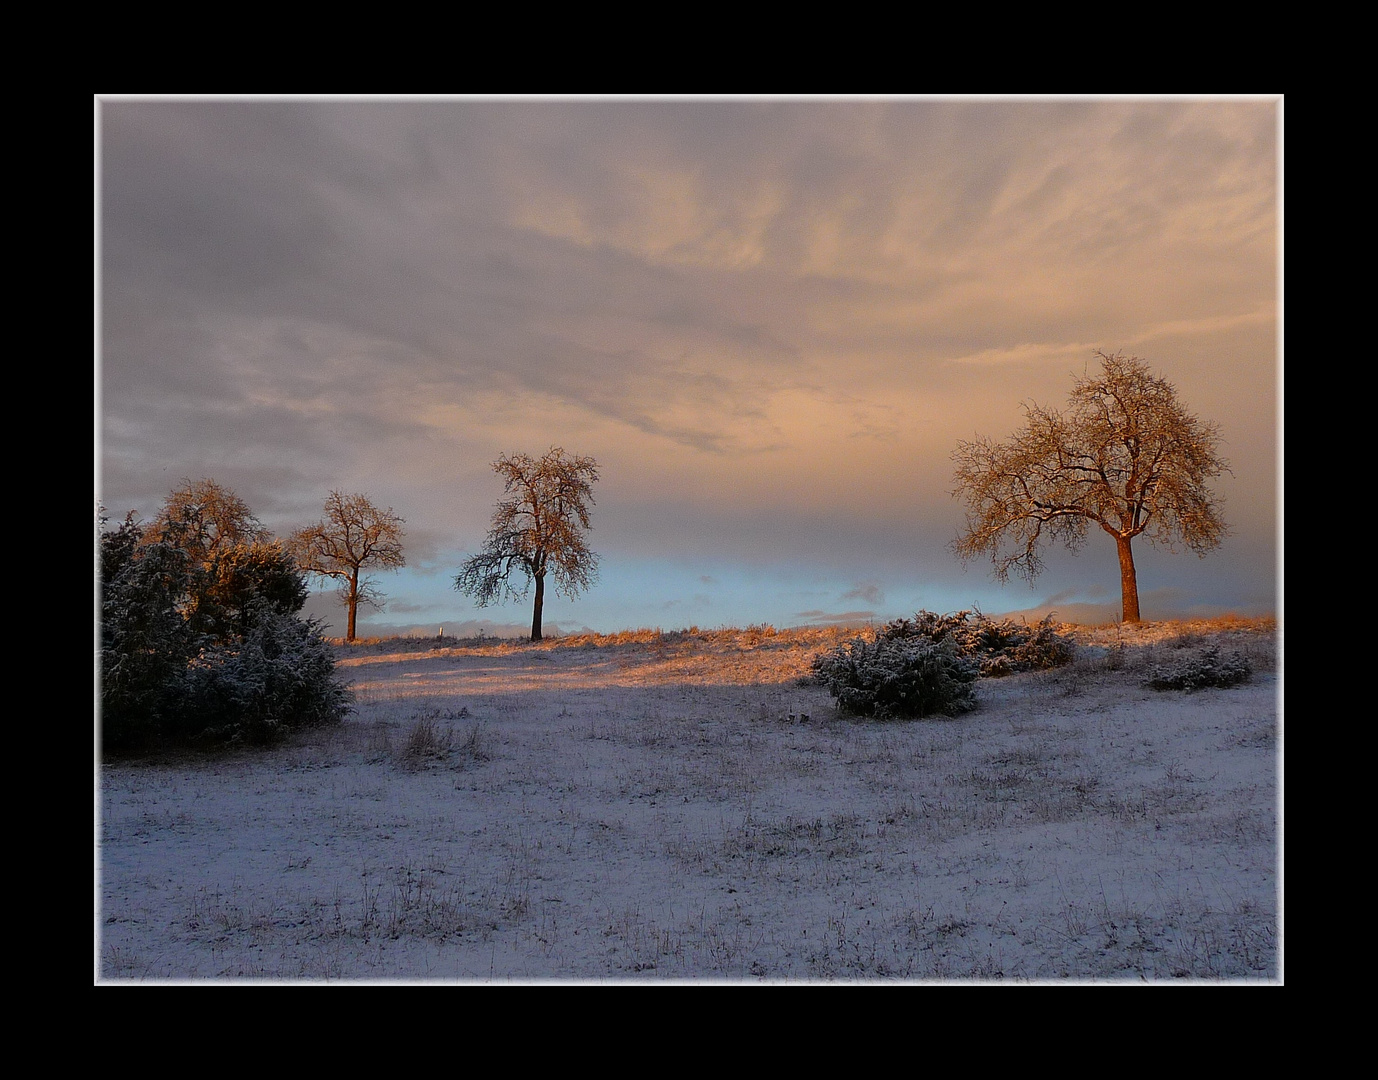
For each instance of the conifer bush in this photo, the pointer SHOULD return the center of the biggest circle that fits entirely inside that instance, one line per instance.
(280, 675)
(145, 641)
(927, 664)
(895, 677)
(1209, 669)
(998, 648)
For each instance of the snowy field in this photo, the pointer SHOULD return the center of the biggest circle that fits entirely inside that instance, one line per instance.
(685, 806)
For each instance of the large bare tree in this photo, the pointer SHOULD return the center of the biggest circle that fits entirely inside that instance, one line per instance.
(1125, 456)
(352, 537)
(538, 529)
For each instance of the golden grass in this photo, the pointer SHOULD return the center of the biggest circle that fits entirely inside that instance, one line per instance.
(766, 636)
(755, 655)
(754, 636)
(1145, 633)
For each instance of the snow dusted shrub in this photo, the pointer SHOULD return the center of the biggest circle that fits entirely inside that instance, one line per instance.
(1208, 669)
(1044, 648)
(998, 648)
(145, 641)
(278, 677)
(898, 677)
(929, 625)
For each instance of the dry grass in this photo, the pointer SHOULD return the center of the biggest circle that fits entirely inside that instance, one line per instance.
(754, 655)
(763, 654)
(1174, 631)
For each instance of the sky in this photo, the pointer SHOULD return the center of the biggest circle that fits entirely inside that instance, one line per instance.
(771, 321)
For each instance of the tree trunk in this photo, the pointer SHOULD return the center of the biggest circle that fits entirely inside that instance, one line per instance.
(1129, 583)
(353, 604)
(540, 601)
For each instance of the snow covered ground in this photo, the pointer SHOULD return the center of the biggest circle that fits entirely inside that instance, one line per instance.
(685, 806)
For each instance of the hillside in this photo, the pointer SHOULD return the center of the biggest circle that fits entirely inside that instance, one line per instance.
(687, 806)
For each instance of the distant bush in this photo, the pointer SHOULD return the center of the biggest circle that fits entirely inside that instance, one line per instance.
(1197, 673)
(998, 648)
(898, 677)
(208, 648)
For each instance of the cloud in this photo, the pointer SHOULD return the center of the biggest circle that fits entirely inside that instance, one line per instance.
(834, 618)
(871, 593)
(770, 321)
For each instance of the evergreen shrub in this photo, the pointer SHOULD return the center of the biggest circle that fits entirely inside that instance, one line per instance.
(1209, 669)
(897, 677)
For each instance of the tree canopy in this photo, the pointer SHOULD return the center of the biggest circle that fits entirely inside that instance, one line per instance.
(1126, 456)
(538, 529)
(204, 517)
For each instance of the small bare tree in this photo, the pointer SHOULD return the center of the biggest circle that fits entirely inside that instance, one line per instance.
(353, 536)
(1126, 456)
(538, 529)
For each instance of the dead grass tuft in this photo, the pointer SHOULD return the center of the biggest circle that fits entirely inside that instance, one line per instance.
(432, 739)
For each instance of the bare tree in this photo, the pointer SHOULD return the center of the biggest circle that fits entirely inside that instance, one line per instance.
(227, 556)
(205, 518)
(538, 529)
(353, 536)
(1125, 456)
